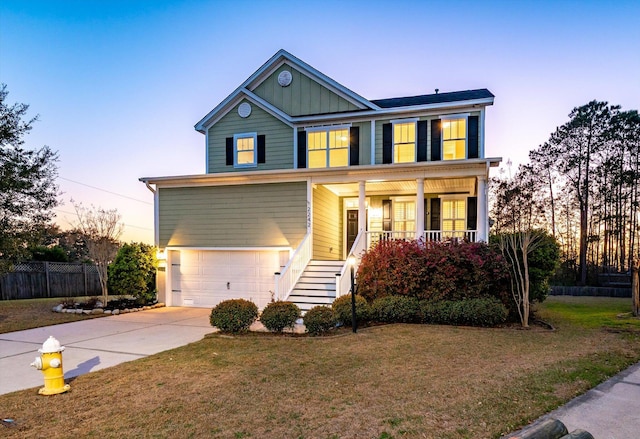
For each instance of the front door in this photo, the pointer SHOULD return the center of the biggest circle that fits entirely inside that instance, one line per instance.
(352, 228)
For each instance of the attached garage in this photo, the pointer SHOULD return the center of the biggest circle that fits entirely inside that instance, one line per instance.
(204, 278)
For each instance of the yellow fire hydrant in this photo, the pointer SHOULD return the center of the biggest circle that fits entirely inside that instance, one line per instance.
(50, 363)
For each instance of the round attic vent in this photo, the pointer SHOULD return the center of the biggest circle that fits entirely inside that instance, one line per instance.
(284, 78)
(244, 109)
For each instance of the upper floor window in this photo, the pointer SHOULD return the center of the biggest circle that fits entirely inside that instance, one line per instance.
(454, 139)
(244, 150)
(404, 142)
(328, 148)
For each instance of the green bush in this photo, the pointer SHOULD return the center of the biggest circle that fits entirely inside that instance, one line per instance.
(342, 309)
(396, 309)
(319, 319)
(486, 311)
(279, 315)
(234, 315)
(133, 272)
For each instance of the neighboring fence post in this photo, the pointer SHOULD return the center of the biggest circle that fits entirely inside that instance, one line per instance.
(84, 275)
(635, 287)
(46, 277)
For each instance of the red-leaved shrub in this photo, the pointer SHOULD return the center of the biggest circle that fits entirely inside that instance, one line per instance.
(447, 270)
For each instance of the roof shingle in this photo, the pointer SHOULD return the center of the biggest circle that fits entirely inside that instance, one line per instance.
(435, 98)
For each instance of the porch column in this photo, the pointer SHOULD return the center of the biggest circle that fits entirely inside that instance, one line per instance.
(419, 208)
(483, 216)
(362, 207)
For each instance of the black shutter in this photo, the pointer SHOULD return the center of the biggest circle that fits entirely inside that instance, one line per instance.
(262, 148)
(435, 214)
(422, 141)
(354, 146)
(302, 149)
(229, 151)
(472, 213)
(387, 143)
(472, 137)
(436, 135)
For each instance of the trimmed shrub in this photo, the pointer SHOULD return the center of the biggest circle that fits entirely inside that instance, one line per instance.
(133, 272)
(434, 271)
(234, 315)
(279, 315)
(486, 311)
(342, 309)
(396, 309)
(319, 319)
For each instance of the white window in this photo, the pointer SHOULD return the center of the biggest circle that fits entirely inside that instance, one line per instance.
(328, 148)
(454, 220)
(245, 150)
(454, 138)
(404, 216)
(404, 141)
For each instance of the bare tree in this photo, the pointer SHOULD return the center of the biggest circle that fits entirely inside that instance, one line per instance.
(101, 229)
(516, 211)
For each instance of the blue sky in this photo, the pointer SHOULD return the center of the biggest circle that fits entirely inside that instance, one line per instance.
(119, 84)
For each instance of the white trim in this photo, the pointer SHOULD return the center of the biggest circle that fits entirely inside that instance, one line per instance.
(373, 141)
(156, 218)
(271, 248)
(206, 152)
(258, 101)
(253, 136)
(455, 116)
(295, 148)
(405, 120)
(481, 134)
(311, 129)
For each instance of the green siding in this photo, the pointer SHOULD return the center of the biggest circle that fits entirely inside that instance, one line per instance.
(278, 139)
(326, 225)
(365, 142)
(234, 216)
(302, 97)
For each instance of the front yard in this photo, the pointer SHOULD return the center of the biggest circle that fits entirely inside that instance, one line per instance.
(386, 381)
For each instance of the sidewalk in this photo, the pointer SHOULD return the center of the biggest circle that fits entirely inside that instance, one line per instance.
(610, 410)
(95, 344)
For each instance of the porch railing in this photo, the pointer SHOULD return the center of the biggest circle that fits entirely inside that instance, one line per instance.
(343, 279)
(287, 278)
(428, 236)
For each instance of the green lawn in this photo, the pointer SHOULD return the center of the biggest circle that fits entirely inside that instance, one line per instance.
(393, 381)
(591, 312)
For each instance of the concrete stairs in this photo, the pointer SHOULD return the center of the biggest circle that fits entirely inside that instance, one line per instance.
(317, 285)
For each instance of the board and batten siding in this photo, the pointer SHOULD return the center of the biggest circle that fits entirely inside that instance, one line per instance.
(326, 225)
(273, 214)
(302, 97)
(278, 139)
(380, 123)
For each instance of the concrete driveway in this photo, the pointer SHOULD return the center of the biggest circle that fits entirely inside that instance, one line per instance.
(94, 344)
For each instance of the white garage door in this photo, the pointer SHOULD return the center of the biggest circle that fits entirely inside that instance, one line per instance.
(204, 278)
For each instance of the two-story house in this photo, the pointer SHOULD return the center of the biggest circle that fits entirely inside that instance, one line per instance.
(301, 172)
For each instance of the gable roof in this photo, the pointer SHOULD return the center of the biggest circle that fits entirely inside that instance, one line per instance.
(268, 68)
(437, 98)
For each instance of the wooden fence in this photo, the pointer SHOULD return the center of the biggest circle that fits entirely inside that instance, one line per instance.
(33, 280)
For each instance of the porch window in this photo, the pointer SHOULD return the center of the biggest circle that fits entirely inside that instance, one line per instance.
(328, 148)
(454, 139)
(453, 217)
(404, 216)
(245, 150)
(404, 142)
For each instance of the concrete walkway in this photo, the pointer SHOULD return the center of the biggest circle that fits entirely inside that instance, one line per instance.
(94, 344)
(610, 410)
